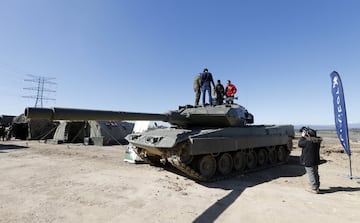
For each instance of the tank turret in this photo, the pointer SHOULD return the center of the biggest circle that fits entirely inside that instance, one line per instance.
(186, 116)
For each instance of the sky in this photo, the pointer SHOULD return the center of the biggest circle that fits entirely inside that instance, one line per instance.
(142, 56)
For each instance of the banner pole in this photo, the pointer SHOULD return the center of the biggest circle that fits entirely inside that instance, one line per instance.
(351, 176)
(340, 115)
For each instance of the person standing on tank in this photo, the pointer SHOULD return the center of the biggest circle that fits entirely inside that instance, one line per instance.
(230, 92)
(310, 157)
(220, 92)
(206, 81)
(197, 88)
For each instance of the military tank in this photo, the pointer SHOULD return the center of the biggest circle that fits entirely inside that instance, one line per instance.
(206, 143)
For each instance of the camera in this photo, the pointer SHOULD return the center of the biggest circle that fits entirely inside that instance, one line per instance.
(308, 131)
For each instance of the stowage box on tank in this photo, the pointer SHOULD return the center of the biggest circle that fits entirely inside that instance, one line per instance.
(205, 143)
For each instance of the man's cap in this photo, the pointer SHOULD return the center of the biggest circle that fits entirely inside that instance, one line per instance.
(206, 70)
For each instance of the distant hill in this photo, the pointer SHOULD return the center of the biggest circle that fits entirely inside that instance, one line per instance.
(327, 127)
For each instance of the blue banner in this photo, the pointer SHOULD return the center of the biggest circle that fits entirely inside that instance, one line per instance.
(340, 111)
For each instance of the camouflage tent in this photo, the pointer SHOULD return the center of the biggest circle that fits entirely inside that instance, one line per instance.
(23, 128)
(92, 132)
(6, 120)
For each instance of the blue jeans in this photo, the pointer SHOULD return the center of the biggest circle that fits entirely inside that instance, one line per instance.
(205, 89)
(314, 178)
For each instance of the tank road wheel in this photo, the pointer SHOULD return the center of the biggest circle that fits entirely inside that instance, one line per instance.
(185, 157)
(225, 164)
(239, 161)
(262, 157)
(283, 155)
(272, 156)
(207, 166)
(251, 160)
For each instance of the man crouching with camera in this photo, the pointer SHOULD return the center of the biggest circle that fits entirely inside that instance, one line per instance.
(310, 157)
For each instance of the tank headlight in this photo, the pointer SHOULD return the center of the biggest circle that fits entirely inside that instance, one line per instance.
(133, 136)
(153, 140)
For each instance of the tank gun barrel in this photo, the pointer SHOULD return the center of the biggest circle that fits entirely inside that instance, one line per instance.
(87, 114)
(231, 115)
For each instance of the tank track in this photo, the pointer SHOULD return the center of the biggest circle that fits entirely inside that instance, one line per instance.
(175, 162)
(144, 157)
(191, 173)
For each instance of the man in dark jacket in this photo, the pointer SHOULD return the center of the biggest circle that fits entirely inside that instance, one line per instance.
(206, 81)
(219, 91)
(310, 157)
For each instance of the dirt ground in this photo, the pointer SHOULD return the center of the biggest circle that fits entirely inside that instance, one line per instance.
(76, 183)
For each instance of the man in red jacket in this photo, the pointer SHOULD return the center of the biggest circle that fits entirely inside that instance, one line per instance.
(230, 92)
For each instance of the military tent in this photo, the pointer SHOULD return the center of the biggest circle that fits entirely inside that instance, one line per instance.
(31, 129)
(92, 132)
(6, 120)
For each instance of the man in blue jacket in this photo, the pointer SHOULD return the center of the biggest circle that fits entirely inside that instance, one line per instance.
(206, 81)
(310, 157)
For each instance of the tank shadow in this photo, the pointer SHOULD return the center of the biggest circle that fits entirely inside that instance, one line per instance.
(4, 147)
(215, 210)
(239, 183)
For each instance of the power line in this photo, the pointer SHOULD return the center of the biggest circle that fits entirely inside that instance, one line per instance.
(41, 82)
